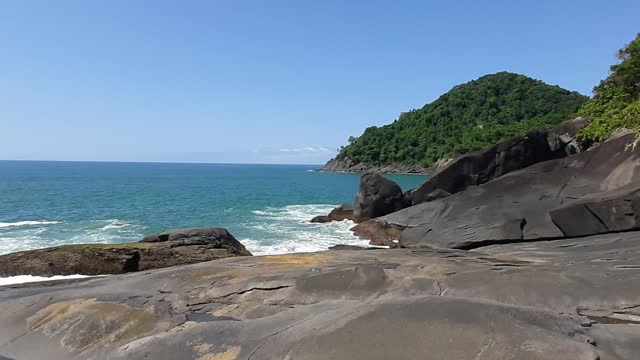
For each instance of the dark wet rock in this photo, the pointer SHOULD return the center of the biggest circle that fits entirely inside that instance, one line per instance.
(555, 300)
(522, 205)
(378, 196)
(479, 167)
(340, 213)
(175, 247)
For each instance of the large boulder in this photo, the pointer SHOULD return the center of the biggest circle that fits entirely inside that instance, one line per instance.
(175, 247)
(340, 213)
(609, 211)
(544, 201)
(482, 166)
(378, 196)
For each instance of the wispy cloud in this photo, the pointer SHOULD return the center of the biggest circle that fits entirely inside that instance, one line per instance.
(293, 155)
(306, 150)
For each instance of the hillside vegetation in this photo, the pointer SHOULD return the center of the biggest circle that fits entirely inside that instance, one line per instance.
(616, 100)
(470, 116)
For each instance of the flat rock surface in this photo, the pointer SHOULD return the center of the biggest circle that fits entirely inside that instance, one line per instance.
(565, 299)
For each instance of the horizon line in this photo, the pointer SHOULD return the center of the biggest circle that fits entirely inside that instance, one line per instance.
(154, 162)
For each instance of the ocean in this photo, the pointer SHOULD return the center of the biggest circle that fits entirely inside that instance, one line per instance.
(266, 207)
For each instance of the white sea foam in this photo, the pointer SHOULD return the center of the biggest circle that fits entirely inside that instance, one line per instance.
(114, 224)
(70, 232)
(271, 230)
(288, 230)
(28, 223)
(20, 279)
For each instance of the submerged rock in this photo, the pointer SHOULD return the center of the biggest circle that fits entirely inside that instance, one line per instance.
(175, 247)
(378, 196)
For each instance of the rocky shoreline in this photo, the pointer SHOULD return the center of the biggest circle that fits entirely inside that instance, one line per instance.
(566, 299)
(169, 248)
(347, 166)
(526, 250)
(558, 138)
(593, 192)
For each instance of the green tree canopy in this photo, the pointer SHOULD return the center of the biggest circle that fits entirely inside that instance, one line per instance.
(616, 100)
(470, 116)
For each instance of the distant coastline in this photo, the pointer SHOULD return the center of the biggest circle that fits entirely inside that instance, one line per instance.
(347, 166)
(372, 170)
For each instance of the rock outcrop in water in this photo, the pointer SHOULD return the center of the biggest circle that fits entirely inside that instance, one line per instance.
(378, 196)
(175, 247)
(340, 213)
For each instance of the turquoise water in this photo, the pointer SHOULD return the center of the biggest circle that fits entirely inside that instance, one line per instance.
(267, 207)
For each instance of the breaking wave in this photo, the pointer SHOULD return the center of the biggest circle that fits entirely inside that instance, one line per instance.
(267, 231)
(41, 234)
(28, 223)
(287, 229)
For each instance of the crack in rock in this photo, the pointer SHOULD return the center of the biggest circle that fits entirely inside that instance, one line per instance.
(254, 289)
(441, 289)
(484, 348)
(264, 342)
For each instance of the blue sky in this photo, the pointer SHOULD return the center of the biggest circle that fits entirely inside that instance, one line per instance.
(268, 81)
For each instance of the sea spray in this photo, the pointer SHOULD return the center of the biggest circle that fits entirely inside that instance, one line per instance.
(287, 229)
